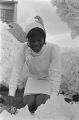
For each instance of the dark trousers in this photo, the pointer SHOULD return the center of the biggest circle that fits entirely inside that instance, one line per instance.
(35, 100)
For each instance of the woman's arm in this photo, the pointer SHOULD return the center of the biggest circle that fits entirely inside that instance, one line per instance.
(55, 69)
(18, 62)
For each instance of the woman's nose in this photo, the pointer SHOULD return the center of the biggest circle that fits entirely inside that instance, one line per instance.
(36, 43)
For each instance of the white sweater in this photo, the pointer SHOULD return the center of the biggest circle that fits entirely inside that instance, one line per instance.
(43, 70)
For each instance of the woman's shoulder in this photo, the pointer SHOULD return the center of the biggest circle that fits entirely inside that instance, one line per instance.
(54, 49)
(53, 46)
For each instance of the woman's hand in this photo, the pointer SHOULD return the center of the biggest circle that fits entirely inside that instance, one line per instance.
(12, 110)
(9, 105)
(11, 100)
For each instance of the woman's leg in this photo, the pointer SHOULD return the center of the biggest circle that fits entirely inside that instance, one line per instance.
(30, 101)
(41, 99)
(35, 100)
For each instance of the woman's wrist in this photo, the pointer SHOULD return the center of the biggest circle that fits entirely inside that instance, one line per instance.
(12, 91)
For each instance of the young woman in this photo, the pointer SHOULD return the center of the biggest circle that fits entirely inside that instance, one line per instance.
(43, 67)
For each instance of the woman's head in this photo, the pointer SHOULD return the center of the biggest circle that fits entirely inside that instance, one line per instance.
(36, 34)
(36, 39)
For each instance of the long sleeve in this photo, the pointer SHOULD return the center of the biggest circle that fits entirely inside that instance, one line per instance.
(18, 62)
(55, 69)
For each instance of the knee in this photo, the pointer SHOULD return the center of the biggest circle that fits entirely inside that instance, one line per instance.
(28, 100)
(41, 99)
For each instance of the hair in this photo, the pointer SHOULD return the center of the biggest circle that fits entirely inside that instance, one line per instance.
(35, 32)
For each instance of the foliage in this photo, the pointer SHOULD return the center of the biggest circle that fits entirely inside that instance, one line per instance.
(70, 71)
(68, 11)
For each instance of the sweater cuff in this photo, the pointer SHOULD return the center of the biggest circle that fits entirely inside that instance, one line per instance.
(55, 86)
(12, 91)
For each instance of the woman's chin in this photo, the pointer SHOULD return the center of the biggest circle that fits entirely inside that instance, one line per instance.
(36, 50)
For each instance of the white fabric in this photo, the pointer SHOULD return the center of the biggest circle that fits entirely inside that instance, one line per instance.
(36, 22)
(12, 91)
(33, 25)
(37, 86)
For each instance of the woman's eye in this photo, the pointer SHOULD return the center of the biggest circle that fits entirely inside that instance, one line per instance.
(35, 41)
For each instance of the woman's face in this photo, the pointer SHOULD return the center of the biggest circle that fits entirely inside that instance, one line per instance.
(36, 43)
